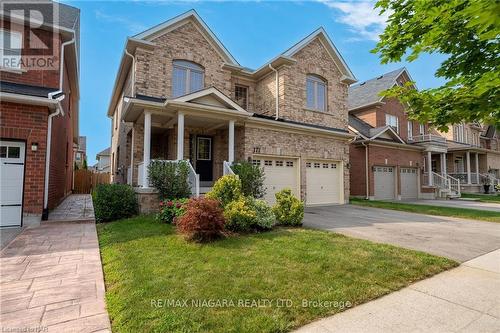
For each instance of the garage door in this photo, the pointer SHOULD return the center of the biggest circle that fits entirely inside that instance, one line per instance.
(279, 173)
(384, 183)
(12, 179)
(409, 184)
(324, 182)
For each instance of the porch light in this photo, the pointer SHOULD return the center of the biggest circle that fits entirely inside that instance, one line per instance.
(34, 146)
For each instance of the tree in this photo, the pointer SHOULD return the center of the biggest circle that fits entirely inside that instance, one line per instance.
(85, 167)
(467, 31)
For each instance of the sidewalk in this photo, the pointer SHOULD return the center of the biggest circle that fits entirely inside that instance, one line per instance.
(464, 299)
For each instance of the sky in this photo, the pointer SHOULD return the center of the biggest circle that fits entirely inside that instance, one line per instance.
(253, 31)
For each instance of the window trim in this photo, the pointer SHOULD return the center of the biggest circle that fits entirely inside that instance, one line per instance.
(246, 94)
(409, 129)
(387, 115)
(317, 80)
(12, 33)
(177, 63)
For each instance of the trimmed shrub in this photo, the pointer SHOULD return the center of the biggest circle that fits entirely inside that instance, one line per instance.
(226, 189)
(240, 215)
(252, 179)
(203, 220)
(265, 219)
(114, 202)
(288, 209)
(170, 179)
(171, 209)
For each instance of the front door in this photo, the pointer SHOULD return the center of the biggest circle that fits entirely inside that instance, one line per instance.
(12, 182)
(204, 165)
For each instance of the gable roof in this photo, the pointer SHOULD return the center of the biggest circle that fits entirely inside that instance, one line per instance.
(181, 19)
(105, 152)
(368, 132)
(211, 97)
(367, 93)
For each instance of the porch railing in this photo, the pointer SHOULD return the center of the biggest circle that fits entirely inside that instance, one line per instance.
(462, 176)
(454, 184)
(227, 169)
(427, 138)
(440, 181)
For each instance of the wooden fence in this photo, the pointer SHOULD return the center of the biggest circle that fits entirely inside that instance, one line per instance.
(86, 180)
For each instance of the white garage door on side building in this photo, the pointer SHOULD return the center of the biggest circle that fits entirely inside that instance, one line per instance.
(409, 183)
(12, 180)
(384, 182)
(324, 182)
(279, 173)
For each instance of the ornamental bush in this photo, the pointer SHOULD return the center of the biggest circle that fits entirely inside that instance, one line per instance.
(265, 219)
(252, 179)
(203, 220)
(240, 215)
(114, 202)
(171, 210)
(226, 189)
(170, 179)
(288, 209)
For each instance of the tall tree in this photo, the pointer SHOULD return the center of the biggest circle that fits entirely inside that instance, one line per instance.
(468, 32)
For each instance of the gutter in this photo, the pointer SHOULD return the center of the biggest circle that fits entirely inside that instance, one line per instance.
(277, 92)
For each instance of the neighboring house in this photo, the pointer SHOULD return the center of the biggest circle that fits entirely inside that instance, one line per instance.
(38, 110)
(177, 80)
(392, 155)
(103, 161)
(81, 152)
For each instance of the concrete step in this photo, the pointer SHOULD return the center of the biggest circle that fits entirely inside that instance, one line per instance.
(205, 189)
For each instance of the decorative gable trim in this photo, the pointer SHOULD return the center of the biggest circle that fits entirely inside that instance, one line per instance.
(212, 91)
(387, 129)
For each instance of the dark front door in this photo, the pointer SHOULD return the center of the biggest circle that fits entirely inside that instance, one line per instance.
(204, 165)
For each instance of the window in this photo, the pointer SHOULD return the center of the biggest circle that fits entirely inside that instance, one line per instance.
(421, 129)
(268, 163)
(308, 164)
(392, 121)
(187, 78)
(10, 49)
(204, 149)
(289, 163)
(410, 130)
(325, 165)
(279, 163)
(241, 96)
(316, 93)
(458, 133)
(317, 165)
(256, 162)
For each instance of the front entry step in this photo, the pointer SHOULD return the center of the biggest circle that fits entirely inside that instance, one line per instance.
(205, 189)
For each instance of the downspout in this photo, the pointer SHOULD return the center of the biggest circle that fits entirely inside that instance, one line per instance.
(133, 70)
(277, 92)
(367, 180)
(59, 111)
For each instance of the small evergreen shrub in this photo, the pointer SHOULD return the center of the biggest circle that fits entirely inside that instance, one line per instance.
(203, 220)
(288, 209)
(226, 189)
(171, 210)
(240, 215)
(170, 179)
(252, 179)
(114, 202)
(265, 219)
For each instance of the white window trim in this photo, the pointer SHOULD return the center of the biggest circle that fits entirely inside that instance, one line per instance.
(421, 129)
(387, 117)
(20, 37)
(317, 81)
(410, 129)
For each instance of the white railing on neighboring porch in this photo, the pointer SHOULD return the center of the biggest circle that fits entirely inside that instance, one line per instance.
(439, 181)
(454, 184)
(427, 138)
(227, 169)
(445, 182)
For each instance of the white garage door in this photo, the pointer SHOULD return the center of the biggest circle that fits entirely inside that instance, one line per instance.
(409, 184)
(12, 179)
(384, 183)
(324, 182)
(279, 173)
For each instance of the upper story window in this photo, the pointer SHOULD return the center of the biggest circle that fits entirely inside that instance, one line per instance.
(459, 134)
(410, 129)
(392, 121)
(241, 96)
(421, 129)
(187, 78)
(10, 49)
(316, 93)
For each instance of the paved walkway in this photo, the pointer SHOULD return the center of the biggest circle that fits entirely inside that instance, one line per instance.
(464, 299)
(74, 207)
(458, 204)
(52, 279)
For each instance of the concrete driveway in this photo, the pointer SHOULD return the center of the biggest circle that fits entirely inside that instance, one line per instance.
(454, 238)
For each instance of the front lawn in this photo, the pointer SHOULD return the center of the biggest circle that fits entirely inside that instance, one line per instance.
(483, 197)
(146, 262)
(466, 213)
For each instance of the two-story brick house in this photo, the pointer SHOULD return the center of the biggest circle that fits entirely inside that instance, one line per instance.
(177, 80)
(38, 109)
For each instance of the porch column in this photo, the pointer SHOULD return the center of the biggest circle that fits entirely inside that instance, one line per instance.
(477, 167)
(180, 136)
(230, 155)
(429, 167)
(147, 147)
(130, 181)
(467, 155)
(445, 170)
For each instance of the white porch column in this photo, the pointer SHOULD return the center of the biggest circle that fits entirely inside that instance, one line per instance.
(231, 142)
(130, 181)
(429, 167)
(467, 155)
(180, 136)
(445, 169)
(477, 167)
(147, 147)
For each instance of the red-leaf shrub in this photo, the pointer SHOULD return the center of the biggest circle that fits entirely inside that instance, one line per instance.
(203, 220)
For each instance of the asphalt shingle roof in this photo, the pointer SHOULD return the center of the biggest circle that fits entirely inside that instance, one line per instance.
(359, 125)
(24, 89)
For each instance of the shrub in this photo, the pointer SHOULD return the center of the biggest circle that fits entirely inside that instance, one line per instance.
(170, 179)
(226, 189)
(252, 179)
(240, 215)
(203, 220)
(288, 209)
(265, 219)
(114, 202)
(171, 209)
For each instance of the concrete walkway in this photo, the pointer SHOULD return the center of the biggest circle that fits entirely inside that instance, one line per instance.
(464, 299)
(52, 280)
(458, 204)
(75, 207)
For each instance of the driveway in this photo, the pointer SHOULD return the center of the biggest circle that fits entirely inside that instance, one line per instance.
(471, 204)
(454, 238)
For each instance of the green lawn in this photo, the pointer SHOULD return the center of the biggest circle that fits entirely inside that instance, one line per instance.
(475, 214)
(145, 261)
(483, 197)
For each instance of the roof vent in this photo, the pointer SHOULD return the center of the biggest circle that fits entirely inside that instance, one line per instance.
(381, 76)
